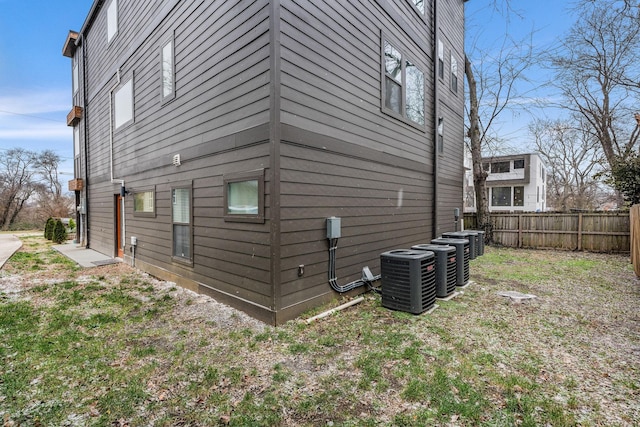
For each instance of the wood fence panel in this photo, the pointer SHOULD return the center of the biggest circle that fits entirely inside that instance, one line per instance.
(595, 232)
(635, 238)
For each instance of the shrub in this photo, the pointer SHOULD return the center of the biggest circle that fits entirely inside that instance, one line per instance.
(48, 229)
(72, 224)
(59, 232)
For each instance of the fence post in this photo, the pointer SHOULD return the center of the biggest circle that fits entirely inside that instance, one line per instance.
(635, 238)
(519, 231)
(580, 231)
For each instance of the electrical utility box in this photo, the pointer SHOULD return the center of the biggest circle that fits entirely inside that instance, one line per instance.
(333, 228)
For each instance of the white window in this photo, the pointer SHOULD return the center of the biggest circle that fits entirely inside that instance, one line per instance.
(168, 69)
(76, 140)
(181, 218)
(112, 20)
(75, 77)
(123, 104)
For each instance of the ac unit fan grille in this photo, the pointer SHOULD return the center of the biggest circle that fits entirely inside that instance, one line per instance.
(401, 291)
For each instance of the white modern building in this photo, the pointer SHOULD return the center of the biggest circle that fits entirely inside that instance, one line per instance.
(514, 183)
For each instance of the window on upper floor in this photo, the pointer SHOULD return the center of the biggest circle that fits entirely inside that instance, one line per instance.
(500, 167)
(112, 20)
(76, 140)
(419, 4)
(167, 63)
(403, 86)
(518, 164)
(75, 77)
(440, 59)
(440, 144)
(454, 74)
(501, 196)
(123, 104)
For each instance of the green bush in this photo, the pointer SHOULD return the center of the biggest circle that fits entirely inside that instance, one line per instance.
(59, 232)
(48, 229)
(72, 224)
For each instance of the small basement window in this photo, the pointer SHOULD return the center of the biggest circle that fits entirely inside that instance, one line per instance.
(144, 203)
(244, 196)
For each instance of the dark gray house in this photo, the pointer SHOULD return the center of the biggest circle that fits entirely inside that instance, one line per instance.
(214, 139)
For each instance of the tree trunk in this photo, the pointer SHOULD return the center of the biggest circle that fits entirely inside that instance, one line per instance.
(479, 174)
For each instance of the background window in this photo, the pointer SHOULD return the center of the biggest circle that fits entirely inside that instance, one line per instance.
(112, 20)
(518, 196)
(168, 69)
(244, 196)
(500, 167)
(181, 217)
(123, 104)
(501, 196)
(518, 164)
(144, 203)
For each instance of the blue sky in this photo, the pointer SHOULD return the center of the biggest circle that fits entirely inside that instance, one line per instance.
(35, 79)
(548, 21)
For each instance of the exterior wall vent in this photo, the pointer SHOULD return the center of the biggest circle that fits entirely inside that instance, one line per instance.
(408, 280)
(176, 160)
(446, 272)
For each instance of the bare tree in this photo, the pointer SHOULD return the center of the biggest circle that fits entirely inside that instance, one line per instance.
(51, 200)
(17, 183)
(598, 70)
(573, 157)
(491, 88)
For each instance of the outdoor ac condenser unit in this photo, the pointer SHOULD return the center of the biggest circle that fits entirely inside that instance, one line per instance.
(472, 236)
(408, 280)
(446, 273)
(462, 258)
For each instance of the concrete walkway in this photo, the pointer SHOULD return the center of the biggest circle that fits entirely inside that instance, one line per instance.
(84, 257)
(9, 244)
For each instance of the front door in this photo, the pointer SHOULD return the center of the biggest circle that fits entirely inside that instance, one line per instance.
(118, 226)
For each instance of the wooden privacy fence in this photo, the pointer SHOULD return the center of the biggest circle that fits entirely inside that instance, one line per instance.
(635, 238)
(595, 232)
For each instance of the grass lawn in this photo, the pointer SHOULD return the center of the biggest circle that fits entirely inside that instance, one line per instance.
(111, 346)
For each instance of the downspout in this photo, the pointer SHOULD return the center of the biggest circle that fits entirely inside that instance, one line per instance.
(85, 203)
(114, 180)
(436, 111)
